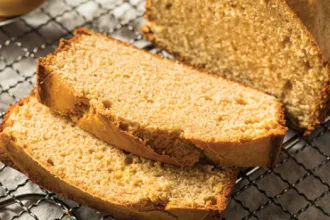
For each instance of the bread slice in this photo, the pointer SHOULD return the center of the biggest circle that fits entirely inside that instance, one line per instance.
(63, 158)
(157, 108)
(278, 46)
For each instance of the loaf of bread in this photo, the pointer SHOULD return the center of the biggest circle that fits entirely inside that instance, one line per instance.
(63, 158)
(158, 108)
(278, 46)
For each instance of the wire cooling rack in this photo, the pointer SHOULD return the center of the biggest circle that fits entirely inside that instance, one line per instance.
(297, 188)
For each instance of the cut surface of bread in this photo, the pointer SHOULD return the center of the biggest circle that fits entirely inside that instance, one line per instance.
(260, 43)
(60, 156)
(159, 108)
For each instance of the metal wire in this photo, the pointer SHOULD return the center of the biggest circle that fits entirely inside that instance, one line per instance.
(308, 159)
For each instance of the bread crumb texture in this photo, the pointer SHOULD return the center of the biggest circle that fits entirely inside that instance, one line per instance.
(260, 43)
(162, 101)
(106, 172)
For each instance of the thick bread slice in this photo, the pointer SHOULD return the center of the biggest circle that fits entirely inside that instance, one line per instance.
(157, 108)
(61, 157)
(278, 46)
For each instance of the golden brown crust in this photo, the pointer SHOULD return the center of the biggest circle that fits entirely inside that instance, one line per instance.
(227, 154)
(261, 151)
(323, 107)
(4, 158)
(41, 174)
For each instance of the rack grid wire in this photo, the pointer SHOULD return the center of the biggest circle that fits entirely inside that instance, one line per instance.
(298, 187)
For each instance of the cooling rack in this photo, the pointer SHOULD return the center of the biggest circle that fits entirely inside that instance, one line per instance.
(297, 188)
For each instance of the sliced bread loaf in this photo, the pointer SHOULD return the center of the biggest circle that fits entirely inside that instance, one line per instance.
(273, 45)
(60, 156)
(157, 108)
